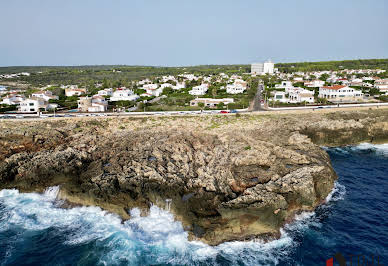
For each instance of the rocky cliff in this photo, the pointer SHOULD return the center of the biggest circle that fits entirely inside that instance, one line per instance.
(224, 177)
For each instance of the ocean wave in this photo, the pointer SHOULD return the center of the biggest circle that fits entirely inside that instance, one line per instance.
(154, 239)
(378, 149)
(338, 193)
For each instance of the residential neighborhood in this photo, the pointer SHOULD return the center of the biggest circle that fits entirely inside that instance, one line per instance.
(193, 91)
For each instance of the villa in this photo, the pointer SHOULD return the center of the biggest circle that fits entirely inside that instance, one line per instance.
(382, 85)
(46, 95)
(239, 86)
(284, 85)
(74, 91)
(280, 96)
(124, 95)
(105, 92)
(340, 93)
(35, 104)
(199, 90)
(314, 83)
(96, 103)
(13, 99)
(301, 95)
(209, 102)
(153, 90)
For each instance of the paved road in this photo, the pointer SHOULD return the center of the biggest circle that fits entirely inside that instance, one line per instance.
(257, 100)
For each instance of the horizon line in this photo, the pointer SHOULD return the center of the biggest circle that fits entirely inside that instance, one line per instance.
(183, 66)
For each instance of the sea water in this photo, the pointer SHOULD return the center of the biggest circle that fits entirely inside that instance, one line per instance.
(35, 230)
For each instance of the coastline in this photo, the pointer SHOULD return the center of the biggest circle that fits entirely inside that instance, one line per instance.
(73, 150)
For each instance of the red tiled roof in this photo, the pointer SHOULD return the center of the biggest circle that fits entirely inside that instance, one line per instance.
(335, 87)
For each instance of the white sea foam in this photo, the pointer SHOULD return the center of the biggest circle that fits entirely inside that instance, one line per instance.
(157, 236)
(380, 149)
(338, 193)
(51, 193)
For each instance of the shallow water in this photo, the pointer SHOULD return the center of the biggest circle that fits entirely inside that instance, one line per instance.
(34, 230)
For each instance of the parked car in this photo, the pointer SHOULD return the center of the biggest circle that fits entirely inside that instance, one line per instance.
(224, 112)
(233, 111)
(19, 116)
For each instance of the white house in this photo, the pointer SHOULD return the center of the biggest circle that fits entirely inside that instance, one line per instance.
(124, 95)
(314, 83)
(209, 102)
(96, 103)
(199, 90)
(46, 95)
(381, 84)
(105, 92)
(286, 85)
(166, 85)
(340, 93)
(168, 78)
(179, 85)
(153, 90)
(298, 79)
(280, 96)
(239, 86)
(13, 99)
(301, 95)
(74, 91)
(189, 76)
(344, 81)
(144, 81)
(35, 104)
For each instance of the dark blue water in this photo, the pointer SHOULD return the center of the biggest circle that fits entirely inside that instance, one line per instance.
(35, 231)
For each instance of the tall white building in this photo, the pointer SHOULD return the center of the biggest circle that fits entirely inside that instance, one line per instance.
(267, 67)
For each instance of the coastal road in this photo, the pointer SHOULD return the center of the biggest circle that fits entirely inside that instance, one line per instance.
(283, 110)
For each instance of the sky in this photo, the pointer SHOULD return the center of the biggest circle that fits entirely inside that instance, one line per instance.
(190, 32)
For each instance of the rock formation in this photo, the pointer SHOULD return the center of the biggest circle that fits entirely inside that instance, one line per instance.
(228, 177)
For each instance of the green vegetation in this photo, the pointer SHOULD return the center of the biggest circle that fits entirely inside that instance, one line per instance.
(110, 75)
(334, 65)
(7, 108)
(122, 75)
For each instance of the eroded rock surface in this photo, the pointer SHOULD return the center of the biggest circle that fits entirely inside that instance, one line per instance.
(229, 177)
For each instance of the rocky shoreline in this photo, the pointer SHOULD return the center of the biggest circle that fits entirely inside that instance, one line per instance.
(224, 177)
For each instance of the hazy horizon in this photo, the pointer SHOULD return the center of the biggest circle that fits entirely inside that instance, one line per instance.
(175, 33)
(127, 65)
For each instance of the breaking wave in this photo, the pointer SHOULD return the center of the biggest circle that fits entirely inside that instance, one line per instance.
(378, 149)
(34, 229)
(153, 239)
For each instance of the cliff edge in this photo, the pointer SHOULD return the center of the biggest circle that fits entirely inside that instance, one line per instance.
(224, 177)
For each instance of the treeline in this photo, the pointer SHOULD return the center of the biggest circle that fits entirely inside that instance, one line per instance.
(333, 65)
(114, 74)
(118, 75)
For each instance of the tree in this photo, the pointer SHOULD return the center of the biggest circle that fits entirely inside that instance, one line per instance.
(105, 84)
(214, 91)
(202, 105)
(168, 91)
(220, 105)
(324, 77)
